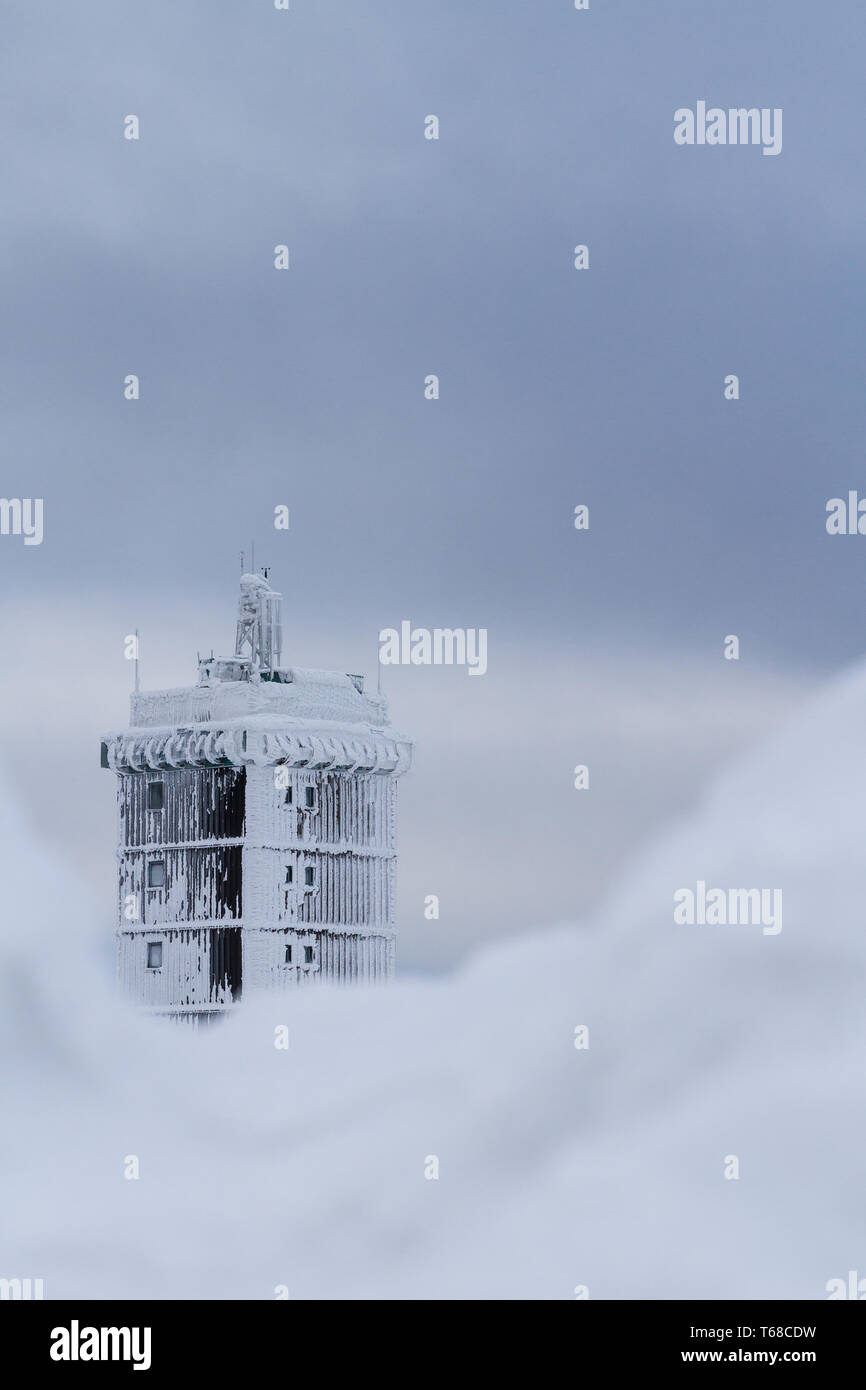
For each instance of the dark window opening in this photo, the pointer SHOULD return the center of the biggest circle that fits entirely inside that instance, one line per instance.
(308, 955)
(154, 955)
(156, 874)
(290, 873)
(310, 797)
(155, 796)
(309, 877)
(288, 955)
(287, 800)
(226, 963)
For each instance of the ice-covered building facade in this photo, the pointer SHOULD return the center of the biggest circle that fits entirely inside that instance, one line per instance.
(257, 827)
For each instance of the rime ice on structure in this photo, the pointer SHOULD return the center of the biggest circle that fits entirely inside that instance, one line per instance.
(257, 827)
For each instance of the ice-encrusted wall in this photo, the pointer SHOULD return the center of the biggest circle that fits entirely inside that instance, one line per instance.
(341, 957)
(319, 854)
(180, 846)
(183, 979)
(301, 862)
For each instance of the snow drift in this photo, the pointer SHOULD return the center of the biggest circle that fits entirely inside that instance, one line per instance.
(559, 1167)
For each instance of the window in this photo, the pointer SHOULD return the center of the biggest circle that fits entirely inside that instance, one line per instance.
(309, 877)
(290, 873)
(288, 955)
(154, 955)
(308, 955)
(287, 800)
(156, 874)
(155, 796)
(310, 798)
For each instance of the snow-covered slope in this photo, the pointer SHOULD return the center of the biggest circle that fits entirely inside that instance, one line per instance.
(558, 1167)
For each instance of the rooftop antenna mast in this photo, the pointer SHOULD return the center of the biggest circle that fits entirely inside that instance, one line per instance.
(259, 629)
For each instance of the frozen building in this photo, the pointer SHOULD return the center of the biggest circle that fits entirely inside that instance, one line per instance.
(257, 827)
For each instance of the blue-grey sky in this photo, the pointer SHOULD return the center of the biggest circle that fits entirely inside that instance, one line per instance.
(452, 257)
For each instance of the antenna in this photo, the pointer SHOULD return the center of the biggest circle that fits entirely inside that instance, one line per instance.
(242, 562)
(259, 635)
(252, 557)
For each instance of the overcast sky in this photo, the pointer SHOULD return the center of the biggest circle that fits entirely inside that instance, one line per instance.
(453, 257)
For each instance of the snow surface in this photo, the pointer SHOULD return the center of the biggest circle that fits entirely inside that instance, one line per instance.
(558, 1167)
(309, 695)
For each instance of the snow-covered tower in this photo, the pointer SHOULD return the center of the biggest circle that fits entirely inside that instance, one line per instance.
(257, 826)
